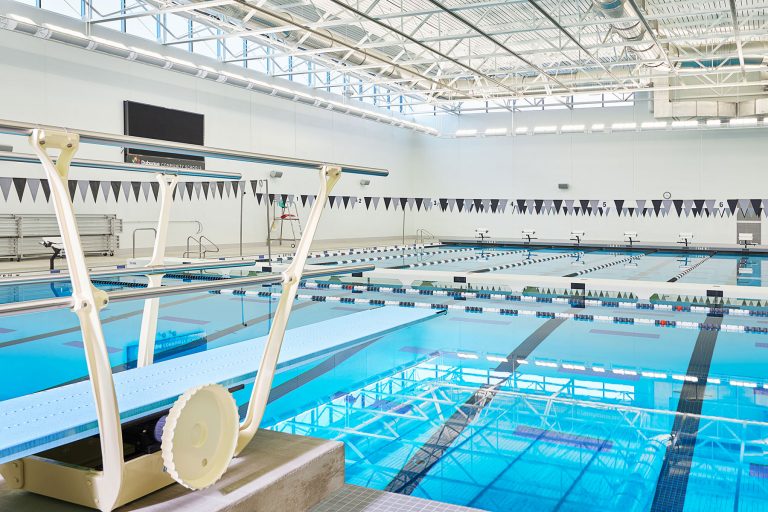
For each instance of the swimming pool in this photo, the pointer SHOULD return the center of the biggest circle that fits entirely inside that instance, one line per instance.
(608, 263)
(529, 402)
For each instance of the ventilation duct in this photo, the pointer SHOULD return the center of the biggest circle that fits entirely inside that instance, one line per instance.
(633, 32)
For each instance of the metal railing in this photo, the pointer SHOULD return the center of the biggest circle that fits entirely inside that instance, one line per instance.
(422, 235)
(202, 248)
(33, 306)
(161, 146)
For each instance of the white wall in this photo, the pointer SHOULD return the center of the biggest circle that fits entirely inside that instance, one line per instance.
(639, 165)
(51, 83)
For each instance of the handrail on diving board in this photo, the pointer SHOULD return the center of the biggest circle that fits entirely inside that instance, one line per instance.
(128, 271)
(31, 306)
(124, 166)
(111, 139)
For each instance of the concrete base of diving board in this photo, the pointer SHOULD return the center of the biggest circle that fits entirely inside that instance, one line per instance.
(276, 472)
(34, 423)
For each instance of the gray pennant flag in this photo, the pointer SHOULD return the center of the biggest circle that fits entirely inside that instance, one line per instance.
(197, 186)
(687, 207)
(569, 206)
(502, 205)
(709, 205)
(82, 187)
(34, 186)
(744, 206)
(486, 205)
(765, 207)
(105, 187)
(125, 186)
(549, 206)
(375, 202)
(451, 204)
(5, 187)
(311, 200)
(427, 203)
(145, 188)
(353, 201)
(228, 188)
(411, 202)
(640, 207)
(181, 190)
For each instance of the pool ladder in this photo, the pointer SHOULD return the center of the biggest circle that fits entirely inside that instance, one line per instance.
(202, 247)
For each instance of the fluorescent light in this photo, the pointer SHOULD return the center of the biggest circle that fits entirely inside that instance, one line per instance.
(569, 366)
(743, 121)
(654, 375)
(572, 128)
(546, 364)
(597, 127)
(496, 131)
(691, 123)
(521, 130)
(465, 355)
(598, 369)
(714, 123)
(497, 359)
(712, 380)
(108, 42)
(623, 126)
(67, 31)
(545, 129)
(522, 361)
(20, 18)
(466, 133)
(653, 125)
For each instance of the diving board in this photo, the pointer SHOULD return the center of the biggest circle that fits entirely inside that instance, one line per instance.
(55, 417)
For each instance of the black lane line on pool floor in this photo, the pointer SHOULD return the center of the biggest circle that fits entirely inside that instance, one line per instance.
(313, 373)
(672, 484)
(433, 450)
(115, 318)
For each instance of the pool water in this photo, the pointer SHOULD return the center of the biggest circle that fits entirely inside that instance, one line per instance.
(531, 412)
(708, 268)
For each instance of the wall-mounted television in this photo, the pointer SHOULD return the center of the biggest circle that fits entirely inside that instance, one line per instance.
(153, 122)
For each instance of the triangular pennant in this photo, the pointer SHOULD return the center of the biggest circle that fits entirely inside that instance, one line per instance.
(207, 188)
(5, 187)
(105, 187)
(126, 186)
(146, 188)
(403, 202)
(220, 190)
(236, 187)
(47, 190)
(94, 186)
(115, 189)
(155, 186)
(190, 186)
(34, 187)
(387, 202)
(502, 205)
(345, 201)
(82, 188)
(375, 202)
(619, 203)
(136, 186)
(20, 184)
(259, 197)
(411, 202)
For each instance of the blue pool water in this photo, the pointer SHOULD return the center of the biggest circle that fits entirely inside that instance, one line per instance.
(743, 270)
(529, 412)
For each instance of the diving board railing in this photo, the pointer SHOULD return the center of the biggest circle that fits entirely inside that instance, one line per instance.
(186, 433)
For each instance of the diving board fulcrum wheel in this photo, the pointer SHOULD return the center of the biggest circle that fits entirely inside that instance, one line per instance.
(200, 435)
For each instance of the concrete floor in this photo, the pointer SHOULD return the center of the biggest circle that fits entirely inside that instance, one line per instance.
(352, 498)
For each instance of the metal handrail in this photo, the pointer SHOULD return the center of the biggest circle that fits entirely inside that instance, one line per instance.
(420, 235)
(133, 238)
(165, 291)
(160, 269)
(127, 141)
(204, 252)
(121, 166)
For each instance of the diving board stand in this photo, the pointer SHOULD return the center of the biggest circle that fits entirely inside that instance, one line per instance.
(201, 433)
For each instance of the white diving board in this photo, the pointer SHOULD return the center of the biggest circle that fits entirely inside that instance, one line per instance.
(55, 417)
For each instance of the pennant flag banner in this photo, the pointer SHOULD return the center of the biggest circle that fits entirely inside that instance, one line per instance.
(94, 191)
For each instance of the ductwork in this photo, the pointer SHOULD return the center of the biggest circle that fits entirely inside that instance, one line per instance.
(633, 32)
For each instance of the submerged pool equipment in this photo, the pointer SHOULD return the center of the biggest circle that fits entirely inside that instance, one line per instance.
(187, 435)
